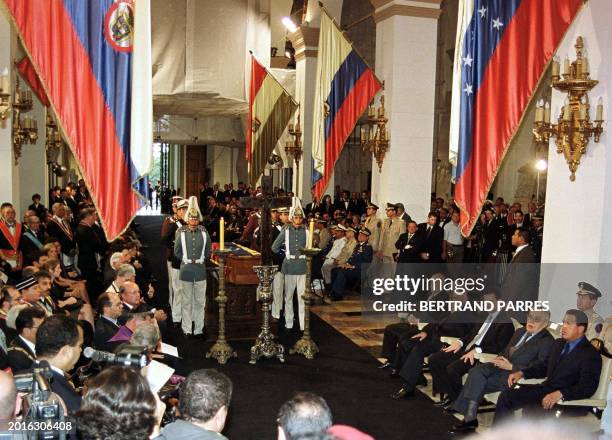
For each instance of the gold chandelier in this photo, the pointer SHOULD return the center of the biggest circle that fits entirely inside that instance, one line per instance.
(374, 135)
(24, 131)
(574, 127)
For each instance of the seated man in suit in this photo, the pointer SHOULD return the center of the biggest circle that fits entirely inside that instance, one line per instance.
(59, 341)
(529, 345)
(572, 372)
(133, 302)
(107, 325)
(351, 270)
(412, 350)
(450, 364)
(21, 352)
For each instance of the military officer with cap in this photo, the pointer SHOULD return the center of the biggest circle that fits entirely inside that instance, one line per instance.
(292, 238)
(374, 225)
(351, 270)
(586, 300)
(392, 228)
(192, 247)
(339, 232)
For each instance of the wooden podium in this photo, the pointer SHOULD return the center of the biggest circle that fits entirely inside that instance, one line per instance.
(242, 316)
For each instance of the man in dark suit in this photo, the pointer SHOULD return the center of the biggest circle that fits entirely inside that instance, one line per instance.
(522, 276)
(21, 352)
(38, 208)
(572, 372)
(107, 325)
(344, 203)
(450, 364)
(61, 229)
(32, 240)
(58, 341)
(433, 236)
(412, 350)
(410, 244)
(313, 207)
(89, 246)
(529, 345)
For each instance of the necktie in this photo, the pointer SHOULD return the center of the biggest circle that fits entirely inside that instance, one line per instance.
(428, 231)
(481, 333)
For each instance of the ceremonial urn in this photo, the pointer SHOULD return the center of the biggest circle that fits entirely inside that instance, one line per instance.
(221, 350)
(265, 344)
(305, 345)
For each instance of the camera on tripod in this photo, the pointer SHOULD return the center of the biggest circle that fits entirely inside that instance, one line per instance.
(43, 410)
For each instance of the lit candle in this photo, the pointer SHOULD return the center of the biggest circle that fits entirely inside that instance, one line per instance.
(539, 114)
(555, 67)
(34, 124)
(547, 112)
(599, 111)
(221, 233)
(310, 233)
(585, 66)
(566, 66)
(4, 80)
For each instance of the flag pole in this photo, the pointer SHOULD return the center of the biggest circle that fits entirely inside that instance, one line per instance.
(322, 6)
(273, 77)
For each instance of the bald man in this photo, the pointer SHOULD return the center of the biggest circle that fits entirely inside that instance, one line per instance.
(8, 401)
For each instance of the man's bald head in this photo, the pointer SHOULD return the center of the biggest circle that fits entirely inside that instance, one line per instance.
(8, 396)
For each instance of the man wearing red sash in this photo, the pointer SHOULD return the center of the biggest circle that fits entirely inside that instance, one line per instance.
(10, 238)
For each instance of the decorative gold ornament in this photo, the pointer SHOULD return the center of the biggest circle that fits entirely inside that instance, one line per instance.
(574, 127)
(221, 350)
(374, 135)
(24, 131)
(294, 148)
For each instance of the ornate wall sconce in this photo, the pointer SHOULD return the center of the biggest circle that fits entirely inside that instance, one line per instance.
(5, 94)
(24, 131)
(574, 127)
(294, 148)
(374, 135)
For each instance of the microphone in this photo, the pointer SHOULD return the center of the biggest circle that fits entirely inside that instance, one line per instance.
(98, 356)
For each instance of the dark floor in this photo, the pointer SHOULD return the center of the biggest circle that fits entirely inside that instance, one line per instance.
(343, 373)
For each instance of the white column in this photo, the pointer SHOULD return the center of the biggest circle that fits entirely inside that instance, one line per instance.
(9, 173)
(406, 41)
(577, 217)
(305, 42)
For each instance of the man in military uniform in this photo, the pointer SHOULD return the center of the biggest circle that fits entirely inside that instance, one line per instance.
(391, 229)
(292, 238)
(348, 248)
(192, 246)
(351, 270)
(537, 234)
(587, 297)
(374, 225)
(338, 232)
(168, 233)
(10, 239)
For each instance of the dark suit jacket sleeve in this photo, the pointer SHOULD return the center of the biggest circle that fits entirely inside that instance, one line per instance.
(539, 370)
(590, 370)
(543, 346)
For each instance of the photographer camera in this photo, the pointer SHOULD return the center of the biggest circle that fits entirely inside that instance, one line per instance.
(119, 405)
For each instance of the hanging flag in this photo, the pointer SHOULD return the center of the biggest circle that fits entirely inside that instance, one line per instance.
(270, 109)
(93, 60)
(502, 50)
(25, 68)
(345, 86)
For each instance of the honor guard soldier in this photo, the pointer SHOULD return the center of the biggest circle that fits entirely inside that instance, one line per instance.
(587, 298)
(168, 233)
(192, 247)
(277, 260)
(292, 238)
(351, 270)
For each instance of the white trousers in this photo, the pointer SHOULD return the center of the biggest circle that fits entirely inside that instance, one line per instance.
(193, 305)
(326, 270)
(175, 302)
(277, 294)
(291, 283)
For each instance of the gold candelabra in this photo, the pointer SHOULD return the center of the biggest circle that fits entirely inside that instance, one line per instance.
(374, 135)
(24, 131)
(574, 127)
(5, 94)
